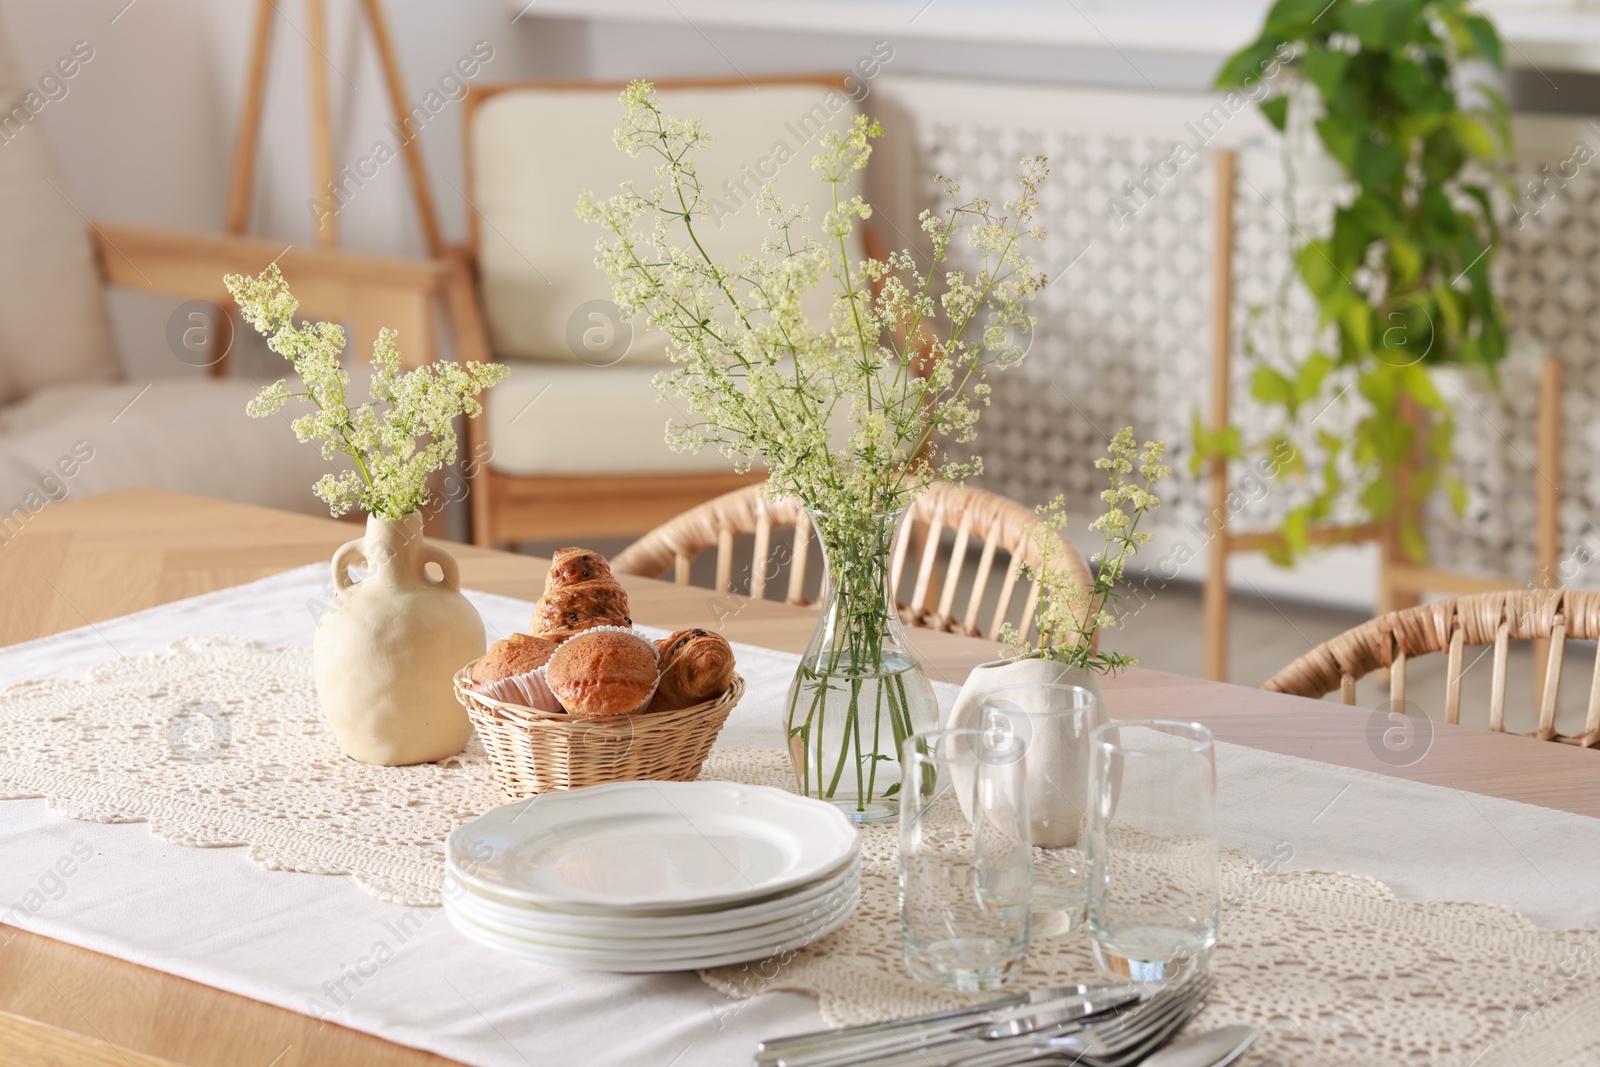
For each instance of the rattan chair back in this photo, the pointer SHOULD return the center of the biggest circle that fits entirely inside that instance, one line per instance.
(983, 523)
(1450, 626)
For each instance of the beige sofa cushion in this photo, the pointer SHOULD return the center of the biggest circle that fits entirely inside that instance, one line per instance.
(53, 322)
(183, 434)
(534, 152)
(558, 419)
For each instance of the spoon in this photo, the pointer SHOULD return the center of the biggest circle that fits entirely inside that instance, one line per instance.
(1214, 1048)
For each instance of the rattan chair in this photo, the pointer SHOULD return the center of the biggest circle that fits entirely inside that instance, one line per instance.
(975, 515)
(1390, 641)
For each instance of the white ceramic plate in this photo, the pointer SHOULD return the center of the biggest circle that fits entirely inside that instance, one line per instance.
(584, 961)
(652, 845)
(601, 952)
(525, 916)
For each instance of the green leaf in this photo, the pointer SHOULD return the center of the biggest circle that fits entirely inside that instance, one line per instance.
(1442, 155)
(1413, 542)
(1456, 490)
(1369, 21)
(1473, 136)
(1296, 529)
(1340, 138)
(1276, 110)
(1309, 381)
(1379, 498)
(1292, 18)
(1377, 164)
(1228, 443)
(1247, 62)
(1271, 387)
(1315, 261)
(1485, 41)
(1325, 69)
(1406, 261)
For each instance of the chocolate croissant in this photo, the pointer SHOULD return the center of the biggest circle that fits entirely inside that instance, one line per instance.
(569, 566)
(696, 666)
(560, 613)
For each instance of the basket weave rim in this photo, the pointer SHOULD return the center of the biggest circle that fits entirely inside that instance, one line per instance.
(522, 712)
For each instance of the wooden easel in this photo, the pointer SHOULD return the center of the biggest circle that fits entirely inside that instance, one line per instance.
(1401, 580)
(325, 173)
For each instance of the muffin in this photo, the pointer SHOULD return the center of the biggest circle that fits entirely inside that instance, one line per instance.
(603, 673)
(517, 654)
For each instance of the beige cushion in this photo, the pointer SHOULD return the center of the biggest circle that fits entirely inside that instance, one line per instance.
(184, 434)
(534, 152)
(53, 322)
(553, 418)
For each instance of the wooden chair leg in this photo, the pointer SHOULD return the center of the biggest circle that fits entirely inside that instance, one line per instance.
(1216, 597)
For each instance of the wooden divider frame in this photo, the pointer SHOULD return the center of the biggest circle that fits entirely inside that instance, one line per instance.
(1401, 580)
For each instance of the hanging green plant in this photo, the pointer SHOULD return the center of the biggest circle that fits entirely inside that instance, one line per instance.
(1402, 280)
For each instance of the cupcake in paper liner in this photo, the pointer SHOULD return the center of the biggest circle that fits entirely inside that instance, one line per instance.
(603, 671)
(529, 690)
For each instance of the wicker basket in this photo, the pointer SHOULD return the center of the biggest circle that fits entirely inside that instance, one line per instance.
(539, 752)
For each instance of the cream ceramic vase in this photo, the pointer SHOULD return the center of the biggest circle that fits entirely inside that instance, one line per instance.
(388, 646)
(1053, 812)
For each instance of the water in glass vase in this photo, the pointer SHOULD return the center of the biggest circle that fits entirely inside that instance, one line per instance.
(846, 725)
(859, 691)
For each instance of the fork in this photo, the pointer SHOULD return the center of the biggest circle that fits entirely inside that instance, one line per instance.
(1121, 1042)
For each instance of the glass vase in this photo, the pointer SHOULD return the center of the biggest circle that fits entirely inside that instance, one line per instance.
(860, 690)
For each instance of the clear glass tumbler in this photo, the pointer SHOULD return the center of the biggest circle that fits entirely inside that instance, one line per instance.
(964, 858)
(1154, 870)
(1053, 722)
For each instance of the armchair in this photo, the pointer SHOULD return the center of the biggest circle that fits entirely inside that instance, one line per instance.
(571, 444)
(71, 424)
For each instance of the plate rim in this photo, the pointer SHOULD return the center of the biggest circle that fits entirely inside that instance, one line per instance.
(827, 813)
(850, 872)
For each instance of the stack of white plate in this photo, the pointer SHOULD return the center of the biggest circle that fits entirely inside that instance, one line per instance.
(653, 876)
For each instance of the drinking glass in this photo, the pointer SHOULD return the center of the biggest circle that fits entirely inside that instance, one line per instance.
(1053, 721)
(964, 858)
(1154, 870)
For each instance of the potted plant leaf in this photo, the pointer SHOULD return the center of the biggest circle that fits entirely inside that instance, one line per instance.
(1402, 279)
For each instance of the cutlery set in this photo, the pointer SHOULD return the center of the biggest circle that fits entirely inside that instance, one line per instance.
(1064, 1026)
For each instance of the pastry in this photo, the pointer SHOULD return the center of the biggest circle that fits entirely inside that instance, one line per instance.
(517, 654)
(562, 612)
(696, 666)
(608, 672)
(569, 566)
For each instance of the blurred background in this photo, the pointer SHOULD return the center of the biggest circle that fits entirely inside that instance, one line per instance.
(146, 132)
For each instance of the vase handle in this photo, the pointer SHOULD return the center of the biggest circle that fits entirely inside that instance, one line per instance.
(432, 553)
(349, 553)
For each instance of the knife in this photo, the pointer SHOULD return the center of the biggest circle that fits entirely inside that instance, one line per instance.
(1021, 1014)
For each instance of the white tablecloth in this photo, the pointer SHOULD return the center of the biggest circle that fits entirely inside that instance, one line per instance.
(319, 945)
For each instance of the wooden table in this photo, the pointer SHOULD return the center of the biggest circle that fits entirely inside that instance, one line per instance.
(86, 561)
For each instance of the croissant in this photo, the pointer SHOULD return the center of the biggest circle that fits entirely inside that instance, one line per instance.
(696, 666)
(569, 566)
(560, 613)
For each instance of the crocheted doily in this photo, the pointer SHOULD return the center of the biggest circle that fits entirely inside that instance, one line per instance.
(219, 743)
(1331, 967)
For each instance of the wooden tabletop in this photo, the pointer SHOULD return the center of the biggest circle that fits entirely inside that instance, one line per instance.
(86, 561)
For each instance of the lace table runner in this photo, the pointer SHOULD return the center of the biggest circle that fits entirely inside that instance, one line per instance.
(1331, 967)
(220, 743)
